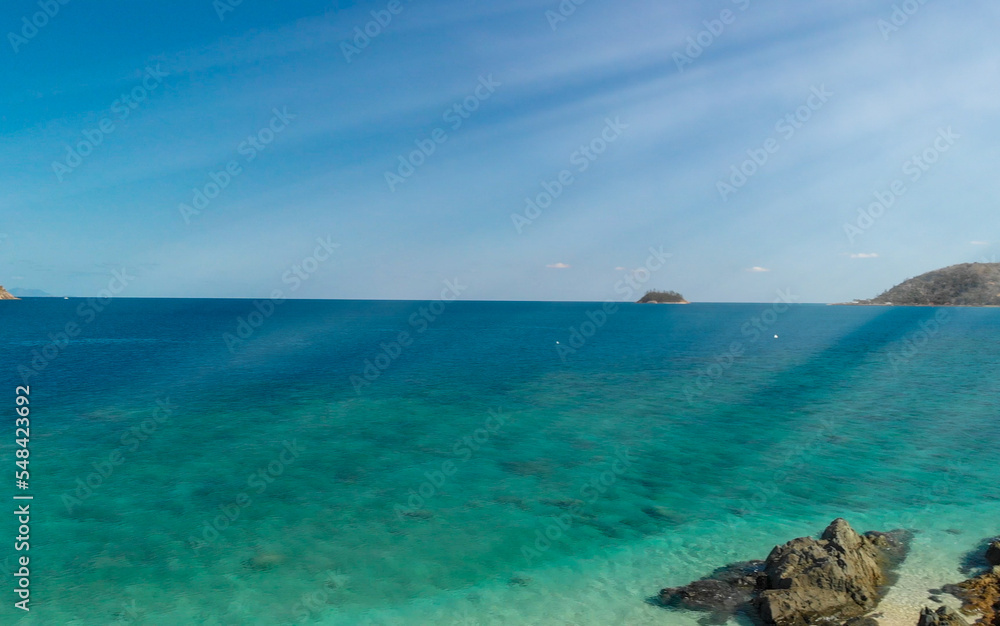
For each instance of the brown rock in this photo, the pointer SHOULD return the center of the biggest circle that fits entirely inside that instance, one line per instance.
(981, 595)
(835, 580)
(942, 617)
(832, 579)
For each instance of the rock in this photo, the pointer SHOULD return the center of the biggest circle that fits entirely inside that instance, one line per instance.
(835, 580)
(893, 546)
(727, 591)
(662, 513)
(836, 577)
(993, 553)
(265, 561)
(981, 595)
(6, 295)
(706, 595)
(942, 617)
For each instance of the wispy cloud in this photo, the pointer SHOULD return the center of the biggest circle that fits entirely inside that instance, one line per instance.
(357, 120)
(865, 255)
(980, 243)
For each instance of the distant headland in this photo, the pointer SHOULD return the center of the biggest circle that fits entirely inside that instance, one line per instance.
(5, 295)
(966, 284)
(662, 297)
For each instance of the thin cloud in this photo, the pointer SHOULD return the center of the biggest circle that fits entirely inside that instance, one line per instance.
(559, 266)
(865, 255)
(980, 243)
(757, 268)
(621, 269)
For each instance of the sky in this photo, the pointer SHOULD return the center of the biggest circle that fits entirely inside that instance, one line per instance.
(727, 149)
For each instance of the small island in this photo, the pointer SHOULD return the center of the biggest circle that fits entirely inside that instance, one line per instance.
(966, 284)
(663, 297)
(6, 295)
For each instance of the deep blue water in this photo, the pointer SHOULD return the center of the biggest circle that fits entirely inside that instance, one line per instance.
(481, 473)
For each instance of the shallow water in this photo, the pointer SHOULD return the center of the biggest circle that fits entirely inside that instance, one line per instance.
(652, 454)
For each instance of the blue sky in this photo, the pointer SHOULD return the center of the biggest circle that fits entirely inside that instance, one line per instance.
(554, 84)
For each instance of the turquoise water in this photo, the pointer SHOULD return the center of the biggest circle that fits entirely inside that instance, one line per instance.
(480, 477)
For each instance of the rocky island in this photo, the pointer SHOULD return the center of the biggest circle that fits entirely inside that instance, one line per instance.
(5, 295)
(966, 284)
(662, 297)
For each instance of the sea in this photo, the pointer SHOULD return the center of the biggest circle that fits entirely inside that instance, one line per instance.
(231, 462)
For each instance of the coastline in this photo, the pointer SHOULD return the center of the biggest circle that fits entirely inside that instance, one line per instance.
(614, 587)
(916, 306)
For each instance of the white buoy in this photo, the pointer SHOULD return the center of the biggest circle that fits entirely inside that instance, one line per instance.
(775, 336)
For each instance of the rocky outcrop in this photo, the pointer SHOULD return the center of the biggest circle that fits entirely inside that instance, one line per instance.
(942, 617)
(981, 595)
(805, 582)
(836, 577)
(5, 295)
(993, 553)
(726, 592)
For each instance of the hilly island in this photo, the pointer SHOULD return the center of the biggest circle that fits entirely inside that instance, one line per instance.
(662, 297)
(966, 284)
